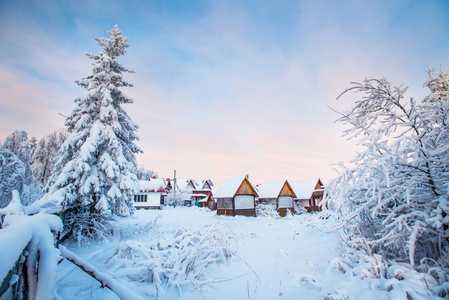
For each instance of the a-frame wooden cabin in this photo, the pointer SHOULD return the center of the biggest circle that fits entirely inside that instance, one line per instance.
(236, 196)
(278, 193)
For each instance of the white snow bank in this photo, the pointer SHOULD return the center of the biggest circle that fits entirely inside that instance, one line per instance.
(284, 258)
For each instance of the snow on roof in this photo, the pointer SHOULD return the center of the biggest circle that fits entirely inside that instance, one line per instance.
(229, 187)
(200, 195)
(157, 184)
(215, 189)
(271, 189)
(182, 183)
(304, 188)
(199, 183)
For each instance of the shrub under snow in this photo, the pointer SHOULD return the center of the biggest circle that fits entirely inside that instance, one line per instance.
(266, 211)
(174, 259)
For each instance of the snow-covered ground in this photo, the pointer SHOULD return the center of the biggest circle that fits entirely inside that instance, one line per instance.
(284, 258)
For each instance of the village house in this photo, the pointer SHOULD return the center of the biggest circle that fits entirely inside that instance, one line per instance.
(278, 193)
(309, 193)
(236, 196)
(202, 193)
(151, 193)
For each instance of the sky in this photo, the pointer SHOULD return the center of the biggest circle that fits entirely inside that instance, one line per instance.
(222, 88)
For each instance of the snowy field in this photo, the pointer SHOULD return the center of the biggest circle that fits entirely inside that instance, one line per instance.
(264, 258)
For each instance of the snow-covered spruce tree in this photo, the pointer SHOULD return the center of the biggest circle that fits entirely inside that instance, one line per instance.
(18, 143)
(12, 176)
(45, 155)
(396, 196)
(94, 171)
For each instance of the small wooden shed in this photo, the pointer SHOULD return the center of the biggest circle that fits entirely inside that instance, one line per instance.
(278, 193)
(236, 196)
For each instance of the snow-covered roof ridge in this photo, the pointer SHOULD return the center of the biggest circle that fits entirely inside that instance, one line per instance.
(304, 188)
(271, 189)
(156, 185)
(182, 183)
(230, 186)
(199, 183)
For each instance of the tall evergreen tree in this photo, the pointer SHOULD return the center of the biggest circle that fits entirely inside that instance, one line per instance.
(45, 154)
(18, 143)
(12, 176)
(94, 170)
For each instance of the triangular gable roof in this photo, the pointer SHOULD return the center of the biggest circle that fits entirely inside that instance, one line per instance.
(202, 184)
(153, 185)
(272, 189)
(230, 186)
(304, 188)
(172, 184)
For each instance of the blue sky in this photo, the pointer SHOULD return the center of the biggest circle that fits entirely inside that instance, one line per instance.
(222, 88)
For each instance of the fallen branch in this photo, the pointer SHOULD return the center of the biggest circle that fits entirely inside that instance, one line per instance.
(106, 280)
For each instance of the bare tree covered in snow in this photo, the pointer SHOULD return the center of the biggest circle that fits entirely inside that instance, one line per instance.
(94, 169)
(143, 173)
(396, 197)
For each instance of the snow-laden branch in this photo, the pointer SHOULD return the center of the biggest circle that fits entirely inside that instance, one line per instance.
(105, 279)
(35, 234)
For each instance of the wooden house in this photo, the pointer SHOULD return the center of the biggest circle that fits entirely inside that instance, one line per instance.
(204, 199)
(202, 193)
(278, 193)
(236, 196)
(309, 193)
(151, 193)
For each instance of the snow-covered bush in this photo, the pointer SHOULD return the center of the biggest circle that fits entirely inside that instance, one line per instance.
(180, 198)
(267, 211)
(400, 280)
(395, 198)
(174, 259)
(87, 225)
(94, 171)
(299, 209)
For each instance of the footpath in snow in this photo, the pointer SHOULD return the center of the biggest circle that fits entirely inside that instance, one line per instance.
(194, 254)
